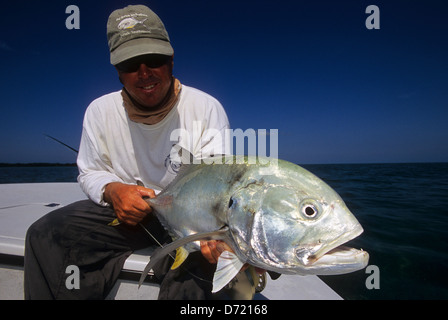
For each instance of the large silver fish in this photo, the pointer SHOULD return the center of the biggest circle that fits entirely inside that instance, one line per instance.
(275, 215)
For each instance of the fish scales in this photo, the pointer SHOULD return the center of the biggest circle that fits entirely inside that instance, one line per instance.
(200, 195)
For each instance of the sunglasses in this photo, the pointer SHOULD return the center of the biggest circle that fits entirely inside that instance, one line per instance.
(150, 60)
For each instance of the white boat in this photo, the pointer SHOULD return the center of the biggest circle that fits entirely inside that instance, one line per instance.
(22, 204)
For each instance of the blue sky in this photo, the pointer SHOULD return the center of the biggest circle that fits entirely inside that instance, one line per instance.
(336, 91)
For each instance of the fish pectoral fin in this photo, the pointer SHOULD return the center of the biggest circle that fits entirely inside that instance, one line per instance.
(181, 256)
(228, 267)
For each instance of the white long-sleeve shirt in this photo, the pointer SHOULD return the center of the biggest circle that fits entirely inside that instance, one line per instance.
(115, 149)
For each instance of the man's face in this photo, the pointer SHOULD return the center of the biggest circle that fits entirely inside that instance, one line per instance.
(147, 78)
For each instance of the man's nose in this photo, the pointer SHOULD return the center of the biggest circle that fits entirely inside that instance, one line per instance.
(144, 71)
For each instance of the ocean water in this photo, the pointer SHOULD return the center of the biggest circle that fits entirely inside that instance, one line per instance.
(35, 174)
(403, 209)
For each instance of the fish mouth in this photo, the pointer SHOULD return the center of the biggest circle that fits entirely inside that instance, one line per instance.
(339, 260)
(335, 258)
(346, 258)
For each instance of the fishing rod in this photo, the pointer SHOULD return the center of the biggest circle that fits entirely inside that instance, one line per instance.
(59, 141)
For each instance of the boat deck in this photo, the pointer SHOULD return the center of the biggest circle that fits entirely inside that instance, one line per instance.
(22, 204)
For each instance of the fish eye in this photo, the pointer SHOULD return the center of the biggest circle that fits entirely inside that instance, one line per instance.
(310, 209)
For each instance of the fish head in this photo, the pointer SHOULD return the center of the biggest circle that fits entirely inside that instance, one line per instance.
(290, 221)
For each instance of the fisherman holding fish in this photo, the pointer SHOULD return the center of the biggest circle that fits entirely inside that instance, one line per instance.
(272, 215)
(126, 156)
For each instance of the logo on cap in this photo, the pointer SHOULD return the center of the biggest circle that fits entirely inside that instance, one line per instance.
(130, 23)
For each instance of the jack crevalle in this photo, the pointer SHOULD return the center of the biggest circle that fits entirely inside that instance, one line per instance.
(275, 215)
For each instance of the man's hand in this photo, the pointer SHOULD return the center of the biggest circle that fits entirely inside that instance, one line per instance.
(127, 201)
(212, 249)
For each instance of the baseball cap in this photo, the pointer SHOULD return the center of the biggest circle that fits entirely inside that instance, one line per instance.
(136, 30)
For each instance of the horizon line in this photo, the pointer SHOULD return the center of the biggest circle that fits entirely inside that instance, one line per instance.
(41, 164)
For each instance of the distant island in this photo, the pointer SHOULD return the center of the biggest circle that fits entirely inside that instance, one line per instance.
(37, 164)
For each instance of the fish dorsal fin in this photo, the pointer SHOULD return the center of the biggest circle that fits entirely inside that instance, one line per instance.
(189, 164)
(228, 267)
(185, 159)
(215, 235)
(180, 155)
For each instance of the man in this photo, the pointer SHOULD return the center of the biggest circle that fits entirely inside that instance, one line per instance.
(125, 155)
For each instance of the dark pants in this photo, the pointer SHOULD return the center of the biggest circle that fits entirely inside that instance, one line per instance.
(79, 235)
